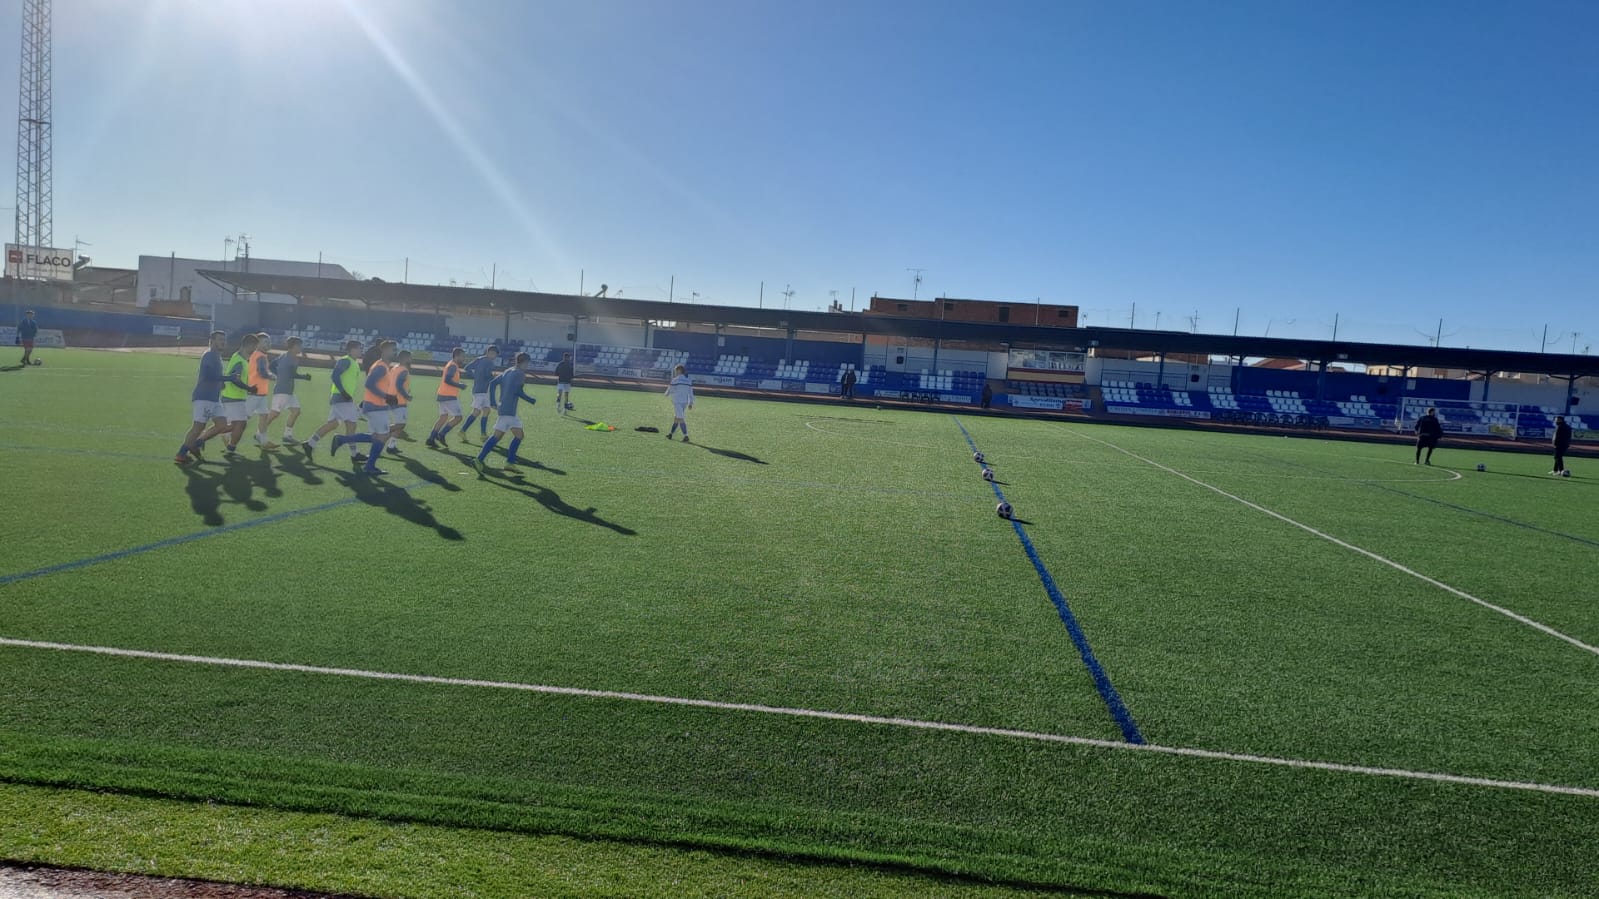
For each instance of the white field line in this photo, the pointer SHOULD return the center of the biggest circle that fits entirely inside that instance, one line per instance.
(1056, 460)
(1514, 616)
(911, 723)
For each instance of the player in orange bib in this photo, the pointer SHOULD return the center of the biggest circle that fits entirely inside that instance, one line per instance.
(400, 382)
(449, 399)
(258, 404)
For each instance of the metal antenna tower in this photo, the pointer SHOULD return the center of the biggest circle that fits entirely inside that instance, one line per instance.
(33, 128)
(916, 283)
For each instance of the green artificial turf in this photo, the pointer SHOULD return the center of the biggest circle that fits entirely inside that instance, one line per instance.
(819, 556)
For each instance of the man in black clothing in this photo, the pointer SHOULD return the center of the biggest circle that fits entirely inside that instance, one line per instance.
(563, 384)
(988, 394)
(1562, 444)
(1428, 430)
(373, 353)
(846, 388)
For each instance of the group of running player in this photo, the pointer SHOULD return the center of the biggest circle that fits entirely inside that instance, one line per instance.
(377, 387)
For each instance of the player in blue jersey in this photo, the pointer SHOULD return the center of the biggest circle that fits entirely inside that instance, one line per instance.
(207, 401)
(509, 384)
(481, 371)
(377, 398)
(27, 330)
(287, 370)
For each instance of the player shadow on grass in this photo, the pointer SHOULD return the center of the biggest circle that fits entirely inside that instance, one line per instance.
(730, 454)
(295, 464)
(17, 367)
(552, 501)
(206, 487)
(415, 466)
(395, 500)
(468, 458)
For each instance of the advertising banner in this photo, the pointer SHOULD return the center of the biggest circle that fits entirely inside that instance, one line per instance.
(1036, 402)
(47, 337)
(38, 263)
(1157, 413)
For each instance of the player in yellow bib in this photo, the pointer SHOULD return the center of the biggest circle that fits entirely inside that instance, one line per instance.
(341, 400)
(236, 393)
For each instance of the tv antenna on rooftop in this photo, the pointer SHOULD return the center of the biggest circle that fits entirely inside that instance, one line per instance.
(916, 282)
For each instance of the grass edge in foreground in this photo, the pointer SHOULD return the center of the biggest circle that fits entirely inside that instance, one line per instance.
(336, 854)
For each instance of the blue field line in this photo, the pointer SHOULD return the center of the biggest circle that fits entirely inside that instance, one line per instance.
(1107, 691)
(8, 579)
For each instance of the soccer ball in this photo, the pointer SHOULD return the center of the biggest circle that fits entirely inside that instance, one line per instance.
(570, 407)
(1481, 467)
(978, 458)
(1003, 510)
(1565, 473)
(988, 474)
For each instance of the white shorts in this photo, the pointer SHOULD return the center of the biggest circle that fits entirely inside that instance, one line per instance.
(400, 415)
(507, 422)
(678, 409)
(379, 420)
(480, 402)
(257, 405)
(343, 412)
(205, 410)
(235, 410)
(562, 387)
(281, 401)
(450, 406)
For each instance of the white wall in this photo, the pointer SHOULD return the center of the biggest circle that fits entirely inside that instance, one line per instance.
(919, 357)
(1175, 376)
(476, 326)
(546, 329)
(1551, 394)
(168, 276)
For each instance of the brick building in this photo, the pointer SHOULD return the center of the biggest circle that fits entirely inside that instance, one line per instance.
(1045, 315)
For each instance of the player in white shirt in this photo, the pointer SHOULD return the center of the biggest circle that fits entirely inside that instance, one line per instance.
(681, 391)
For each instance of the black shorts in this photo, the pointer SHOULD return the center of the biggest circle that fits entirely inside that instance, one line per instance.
(1427, 440)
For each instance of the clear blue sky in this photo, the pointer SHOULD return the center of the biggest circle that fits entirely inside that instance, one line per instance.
(1393, 163)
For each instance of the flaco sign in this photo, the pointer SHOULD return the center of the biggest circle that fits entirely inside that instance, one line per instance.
(38, 263)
